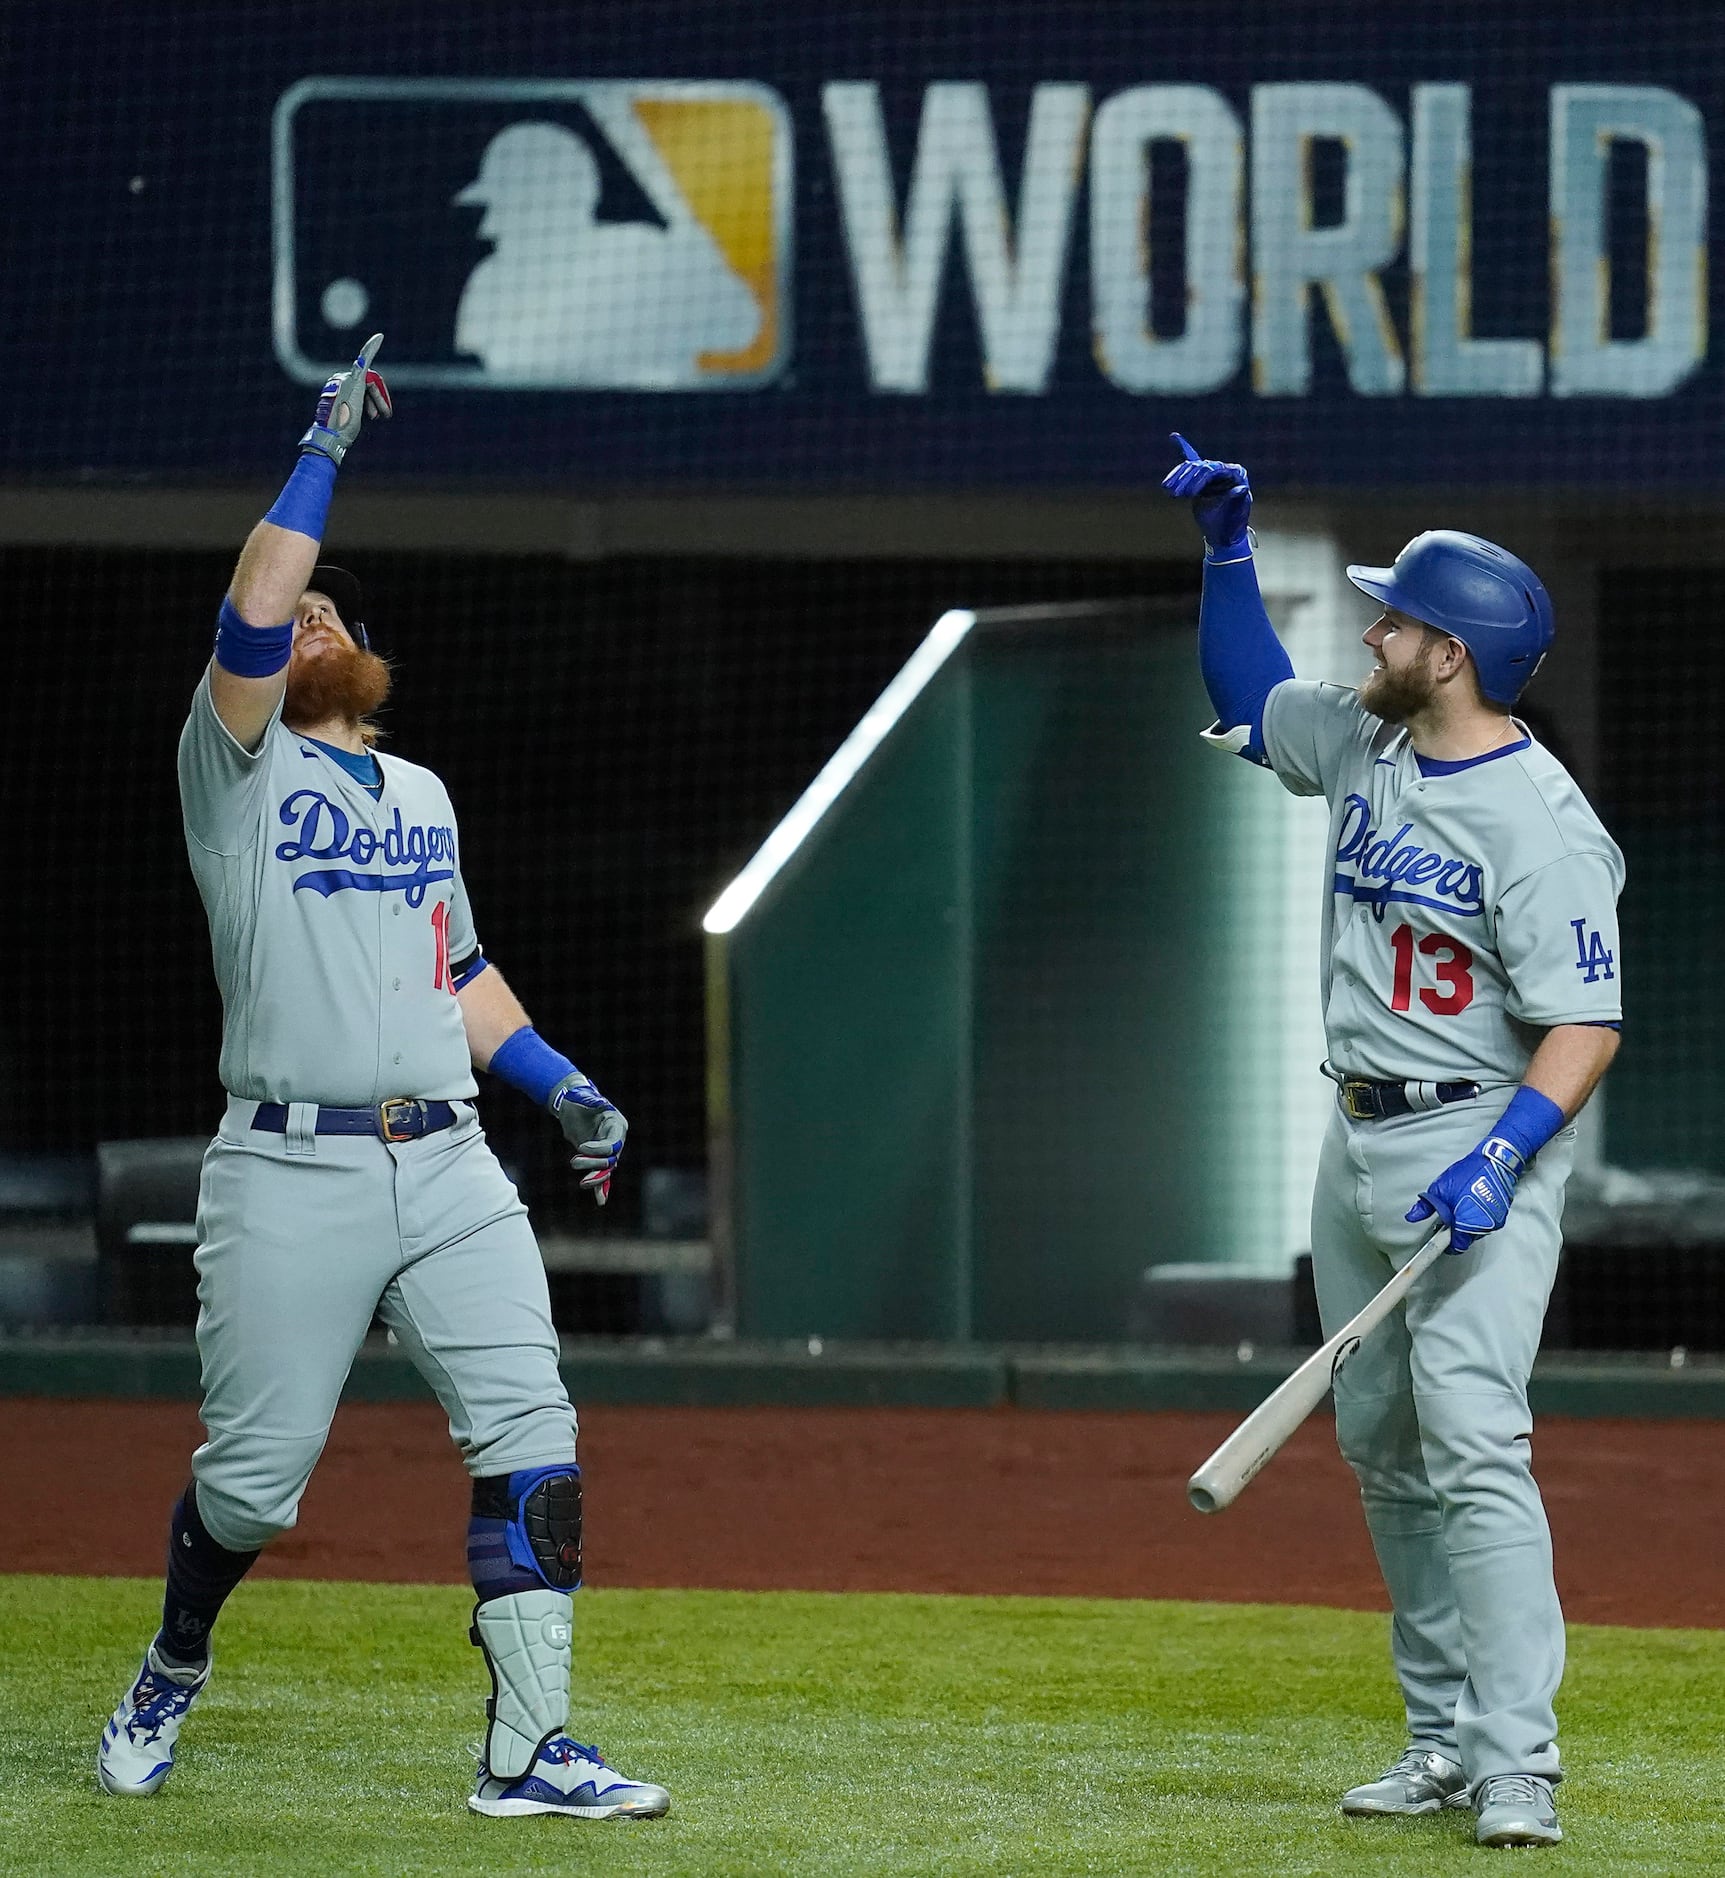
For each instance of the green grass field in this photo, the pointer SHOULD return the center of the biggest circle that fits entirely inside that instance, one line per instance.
(808, 1733)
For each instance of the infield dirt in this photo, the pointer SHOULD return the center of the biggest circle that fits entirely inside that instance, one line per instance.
(981, 1501)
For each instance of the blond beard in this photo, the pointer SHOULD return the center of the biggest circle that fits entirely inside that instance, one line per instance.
(343, 682)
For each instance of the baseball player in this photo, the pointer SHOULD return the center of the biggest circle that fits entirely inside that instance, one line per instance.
(350, 1174)
(1471, 1003)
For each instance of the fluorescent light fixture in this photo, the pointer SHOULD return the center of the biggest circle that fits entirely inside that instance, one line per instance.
(841, 768)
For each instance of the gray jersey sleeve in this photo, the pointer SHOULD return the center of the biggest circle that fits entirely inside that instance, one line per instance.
(463, 939)
(1557, 937)
(220, 780)
(1309, 732)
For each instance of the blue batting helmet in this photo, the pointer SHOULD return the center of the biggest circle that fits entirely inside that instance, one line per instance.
(1476, 592)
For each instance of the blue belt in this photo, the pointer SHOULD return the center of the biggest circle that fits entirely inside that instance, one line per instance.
(1378, 1101)
(401, 1118)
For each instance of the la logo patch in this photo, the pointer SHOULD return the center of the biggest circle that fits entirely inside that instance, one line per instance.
(1591, 957)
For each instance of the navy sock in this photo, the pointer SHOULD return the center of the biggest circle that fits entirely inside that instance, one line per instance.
(201, 1573)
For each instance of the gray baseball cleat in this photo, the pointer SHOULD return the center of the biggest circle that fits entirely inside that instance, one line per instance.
(1516, 1809)
(1422, 1781)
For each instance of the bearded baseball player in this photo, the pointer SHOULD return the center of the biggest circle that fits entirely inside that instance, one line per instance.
(350, 1174)
(1471, 1004)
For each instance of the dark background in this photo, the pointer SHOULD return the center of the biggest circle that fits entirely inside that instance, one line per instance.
(617, 738)
(1661, 795)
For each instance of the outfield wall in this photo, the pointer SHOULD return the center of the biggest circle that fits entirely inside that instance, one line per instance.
(742, 1373)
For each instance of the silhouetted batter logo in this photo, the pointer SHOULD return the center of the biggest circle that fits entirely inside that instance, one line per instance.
(535, 236)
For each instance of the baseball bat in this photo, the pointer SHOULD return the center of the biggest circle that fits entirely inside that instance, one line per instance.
(1238, 1461)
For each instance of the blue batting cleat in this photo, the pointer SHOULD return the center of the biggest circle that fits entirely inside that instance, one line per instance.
(570, 1779)
(137, 1751)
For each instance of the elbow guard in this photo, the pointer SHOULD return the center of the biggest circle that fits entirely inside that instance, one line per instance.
(1245, 740)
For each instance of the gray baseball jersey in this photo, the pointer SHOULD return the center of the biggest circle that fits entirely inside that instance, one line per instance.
(1469, 906)
(333, 918)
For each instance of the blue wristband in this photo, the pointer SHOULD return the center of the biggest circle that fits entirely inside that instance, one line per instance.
(1529, 1122)
(527, 1062)
(250, 651)
(303, 504)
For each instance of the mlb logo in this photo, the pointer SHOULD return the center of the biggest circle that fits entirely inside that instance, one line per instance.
(534, 235)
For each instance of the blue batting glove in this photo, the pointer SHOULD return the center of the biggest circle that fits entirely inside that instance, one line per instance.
(1473, 1196)
(1221, 499)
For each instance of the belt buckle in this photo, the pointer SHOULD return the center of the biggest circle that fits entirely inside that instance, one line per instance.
(1358, 1109)
(409, 1107)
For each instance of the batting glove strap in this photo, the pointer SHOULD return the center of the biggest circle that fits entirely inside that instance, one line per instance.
(573, 1094)
(329, 442)
(1507, 1156)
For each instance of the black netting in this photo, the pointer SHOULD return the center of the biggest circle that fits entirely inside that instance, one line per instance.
(730, 347)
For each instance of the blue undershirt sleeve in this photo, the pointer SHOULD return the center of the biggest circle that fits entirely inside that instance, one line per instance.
(1241, 658)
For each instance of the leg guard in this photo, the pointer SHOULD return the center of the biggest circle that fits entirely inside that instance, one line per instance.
(527, 1645)
(536, 1512)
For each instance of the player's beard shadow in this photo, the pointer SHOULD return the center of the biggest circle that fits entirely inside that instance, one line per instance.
(343, 682)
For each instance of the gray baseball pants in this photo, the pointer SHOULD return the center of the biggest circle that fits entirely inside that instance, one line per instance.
(1432, 1416)
(302, 1237)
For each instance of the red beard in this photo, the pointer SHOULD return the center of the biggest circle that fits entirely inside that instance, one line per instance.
(1396, 696)
(341, 682)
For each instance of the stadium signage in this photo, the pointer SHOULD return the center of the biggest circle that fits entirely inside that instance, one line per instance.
(1406, 195)
(687, 291)
(694, 291)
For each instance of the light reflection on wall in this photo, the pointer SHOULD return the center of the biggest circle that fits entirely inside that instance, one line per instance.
(1274, 875)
